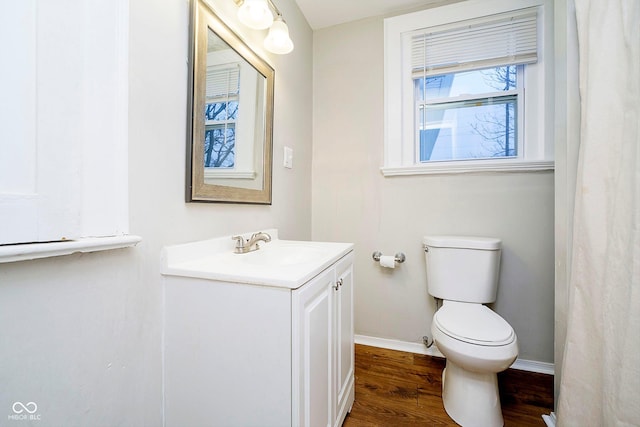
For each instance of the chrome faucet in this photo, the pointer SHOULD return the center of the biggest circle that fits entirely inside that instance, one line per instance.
(243, 246)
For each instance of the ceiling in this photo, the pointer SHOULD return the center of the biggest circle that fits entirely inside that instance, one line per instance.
(325, 13)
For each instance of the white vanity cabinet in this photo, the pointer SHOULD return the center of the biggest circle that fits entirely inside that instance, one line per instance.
(258, 354)
(323, 349)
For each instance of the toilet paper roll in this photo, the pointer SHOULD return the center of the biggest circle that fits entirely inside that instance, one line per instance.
(388, 261)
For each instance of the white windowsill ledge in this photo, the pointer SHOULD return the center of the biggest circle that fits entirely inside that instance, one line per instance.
(29, 251)
(229, 174)
(466, 167)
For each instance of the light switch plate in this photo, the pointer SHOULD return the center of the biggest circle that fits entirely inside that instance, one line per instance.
(288, 157)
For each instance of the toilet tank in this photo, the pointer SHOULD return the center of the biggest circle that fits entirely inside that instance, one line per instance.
(462, 268)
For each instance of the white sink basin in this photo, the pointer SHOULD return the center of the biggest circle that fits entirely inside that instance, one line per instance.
(283, 254)
(280, 263)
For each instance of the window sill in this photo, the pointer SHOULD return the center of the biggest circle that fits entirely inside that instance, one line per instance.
(228, 174)
(445, 168)
(29, 251)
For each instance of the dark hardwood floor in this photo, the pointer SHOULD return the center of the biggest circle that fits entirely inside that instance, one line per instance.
(395, 388)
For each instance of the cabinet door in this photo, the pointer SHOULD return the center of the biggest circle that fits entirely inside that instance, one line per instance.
(312, 352)
(343, 377)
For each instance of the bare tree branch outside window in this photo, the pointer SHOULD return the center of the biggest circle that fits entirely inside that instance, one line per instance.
(499, 131)
(220, 138)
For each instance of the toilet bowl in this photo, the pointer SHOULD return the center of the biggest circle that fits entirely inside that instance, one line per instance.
(478, 344)
(474, 337)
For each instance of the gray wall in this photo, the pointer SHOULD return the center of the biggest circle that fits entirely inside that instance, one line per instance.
(81, 334)
(352, 201)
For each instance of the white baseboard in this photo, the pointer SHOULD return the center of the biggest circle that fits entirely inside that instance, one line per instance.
(419, 348)
(409, 347)
(534, 366)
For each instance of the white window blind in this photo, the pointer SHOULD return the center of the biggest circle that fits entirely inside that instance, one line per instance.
(503, 39)
(223, 82)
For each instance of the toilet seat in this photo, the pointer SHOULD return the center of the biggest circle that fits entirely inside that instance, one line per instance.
(473, 323)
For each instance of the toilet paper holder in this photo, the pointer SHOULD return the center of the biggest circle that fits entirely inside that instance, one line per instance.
(399, 257)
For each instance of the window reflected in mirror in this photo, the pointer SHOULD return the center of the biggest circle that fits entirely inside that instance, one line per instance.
(220, 115)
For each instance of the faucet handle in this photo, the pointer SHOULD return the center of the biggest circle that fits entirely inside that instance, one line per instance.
(239, 241)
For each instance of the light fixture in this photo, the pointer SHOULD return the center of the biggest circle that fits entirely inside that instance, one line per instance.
(257, 14)
(278, 40)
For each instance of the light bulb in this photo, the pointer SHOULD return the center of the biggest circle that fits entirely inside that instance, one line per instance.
(278, 40)
(255, 14)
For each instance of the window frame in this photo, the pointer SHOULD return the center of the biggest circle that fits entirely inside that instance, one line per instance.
(400, 147)
(69, 192)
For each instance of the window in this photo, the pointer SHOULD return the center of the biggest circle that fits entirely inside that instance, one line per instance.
(468, 115)
(465, 88)
(232, 150)
(221, 113)
(63, 172)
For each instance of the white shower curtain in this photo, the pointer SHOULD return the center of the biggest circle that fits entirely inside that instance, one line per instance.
(600, 383)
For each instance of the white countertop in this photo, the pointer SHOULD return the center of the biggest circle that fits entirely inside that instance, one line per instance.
(278, 263)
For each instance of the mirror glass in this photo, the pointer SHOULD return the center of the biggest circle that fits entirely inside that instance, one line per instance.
(231, 116)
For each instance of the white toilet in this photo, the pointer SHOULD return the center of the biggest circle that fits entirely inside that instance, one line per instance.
(477, 342)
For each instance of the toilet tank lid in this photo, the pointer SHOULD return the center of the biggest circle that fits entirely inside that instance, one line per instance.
(471, 242)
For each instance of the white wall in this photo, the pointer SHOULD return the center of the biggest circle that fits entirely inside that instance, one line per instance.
(353, 202)
(81, 334)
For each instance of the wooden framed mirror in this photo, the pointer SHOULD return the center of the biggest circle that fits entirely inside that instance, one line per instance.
(230, 115)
